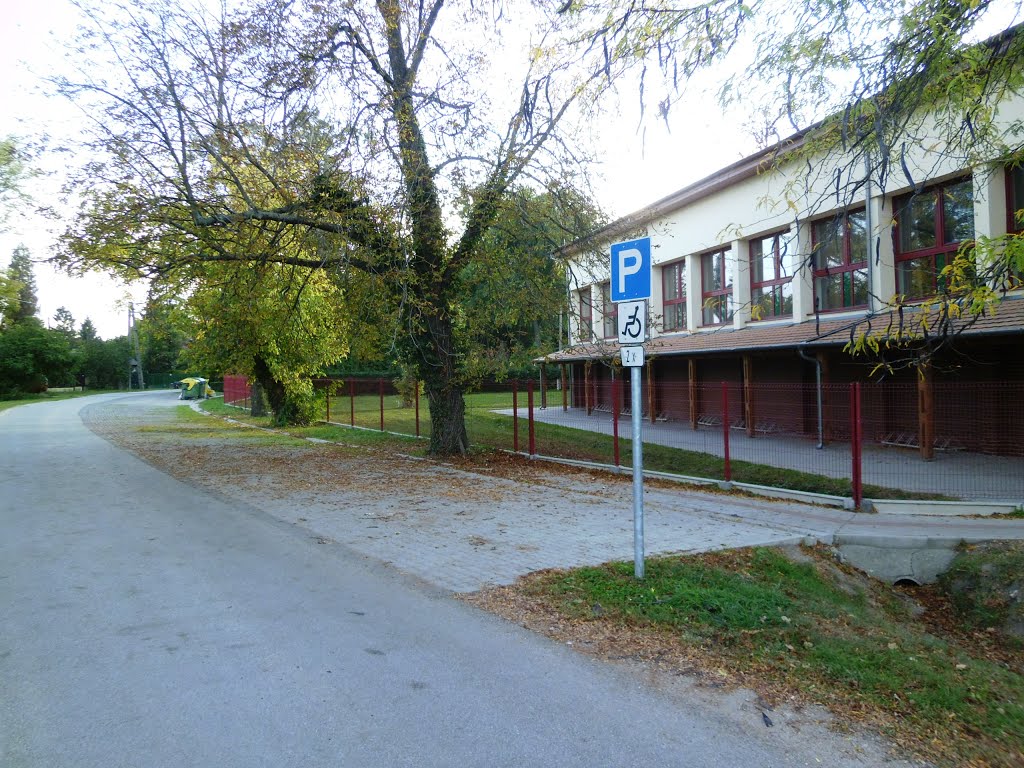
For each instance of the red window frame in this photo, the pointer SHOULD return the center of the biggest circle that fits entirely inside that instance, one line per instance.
(847, 269)
(775, 284)
(586, 315)
(674, 313)
(935, 257)
(716, 304)
(1014, 202)
(610, 310)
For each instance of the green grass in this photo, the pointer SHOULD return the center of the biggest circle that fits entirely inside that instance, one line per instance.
(806, 624)
(494, 431)
(200, 426)
(49, 397)
(982, 583)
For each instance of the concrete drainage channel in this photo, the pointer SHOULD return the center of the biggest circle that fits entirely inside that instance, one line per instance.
(902, 559)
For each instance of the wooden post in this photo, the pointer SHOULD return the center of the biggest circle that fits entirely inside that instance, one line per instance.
(748, 394)
(586, 387)
(925, 412)
(694, 405)
(823, 362)
(650, 391)
(565, 389)
(727, 468)
(543, 386)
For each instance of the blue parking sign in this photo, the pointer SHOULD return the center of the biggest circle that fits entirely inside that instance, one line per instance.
(631, 270)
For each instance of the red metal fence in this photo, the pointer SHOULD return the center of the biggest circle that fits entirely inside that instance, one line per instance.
(954, 441)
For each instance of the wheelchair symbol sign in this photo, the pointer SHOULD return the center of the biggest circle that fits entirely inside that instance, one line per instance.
(632, 322)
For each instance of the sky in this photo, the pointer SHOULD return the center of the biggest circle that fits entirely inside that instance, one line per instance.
(640, 165)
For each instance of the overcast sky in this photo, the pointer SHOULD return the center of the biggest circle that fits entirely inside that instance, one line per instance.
(640, 166)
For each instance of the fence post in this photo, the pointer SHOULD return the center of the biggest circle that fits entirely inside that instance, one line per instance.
(615, 419)
(329, 383)
(380, 390)
(416, 391)
(725, 431)
(856, 480)
(529, 406)
(515, 416)
(352, 402)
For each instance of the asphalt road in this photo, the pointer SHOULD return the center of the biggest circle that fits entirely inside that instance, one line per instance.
(146, 623)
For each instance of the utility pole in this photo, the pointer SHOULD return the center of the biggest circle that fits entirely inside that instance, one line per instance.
(135, 363)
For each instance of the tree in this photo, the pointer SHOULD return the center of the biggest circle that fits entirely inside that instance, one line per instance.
(64, 322)
(280, 325)
(183, 137)
(515, 291)
(32, 357)
(12, 172)
(161, 335)
(24, 304)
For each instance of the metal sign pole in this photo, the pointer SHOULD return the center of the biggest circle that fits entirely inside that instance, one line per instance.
(638, 476)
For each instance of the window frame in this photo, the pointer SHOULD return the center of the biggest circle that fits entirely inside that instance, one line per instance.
(586, 318)
(721, 296)
(679, 268)
(1012, 204)
(1013, 280)
(848, 266)
(941, 250)
(778, 281)
(610, 312)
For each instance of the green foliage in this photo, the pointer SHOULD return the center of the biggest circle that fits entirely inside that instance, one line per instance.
(513, 293)
(161, 336)
(32, 357)
(12, 172)
(834, 636)
(22, 304)
(278, 324)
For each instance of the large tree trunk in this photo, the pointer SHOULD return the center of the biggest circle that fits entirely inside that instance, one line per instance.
(437, 358)
(447, 418)
(273, 390)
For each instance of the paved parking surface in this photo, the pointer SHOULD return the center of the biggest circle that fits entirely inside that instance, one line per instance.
(460, 530)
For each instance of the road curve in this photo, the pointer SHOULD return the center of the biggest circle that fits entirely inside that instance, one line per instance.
(146, 623)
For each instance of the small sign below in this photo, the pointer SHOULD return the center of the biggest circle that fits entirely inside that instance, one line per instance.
(632, 322)
(632, 357)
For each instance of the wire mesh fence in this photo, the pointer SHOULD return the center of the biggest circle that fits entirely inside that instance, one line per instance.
(929, 440)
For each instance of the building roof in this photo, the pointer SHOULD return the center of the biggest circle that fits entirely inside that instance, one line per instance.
(1006, 318)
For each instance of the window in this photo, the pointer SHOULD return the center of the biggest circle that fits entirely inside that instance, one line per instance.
(673, 282)
(840, 262)
(1014, 198)
(771, 288)
(586, 315)
(611, 313)
(929, 230)
(1014, 225)
(715, 289)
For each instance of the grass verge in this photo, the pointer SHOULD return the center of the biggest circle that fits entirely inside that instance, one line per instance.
(45, 397)
(805, 627)
(494, 431)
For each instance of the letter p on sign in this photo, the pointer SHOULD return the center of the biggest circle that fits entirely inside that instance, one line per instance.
(631, 270)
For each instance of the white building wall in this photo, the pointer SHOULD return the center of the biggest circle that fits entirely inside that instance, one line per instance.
(770, 201)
